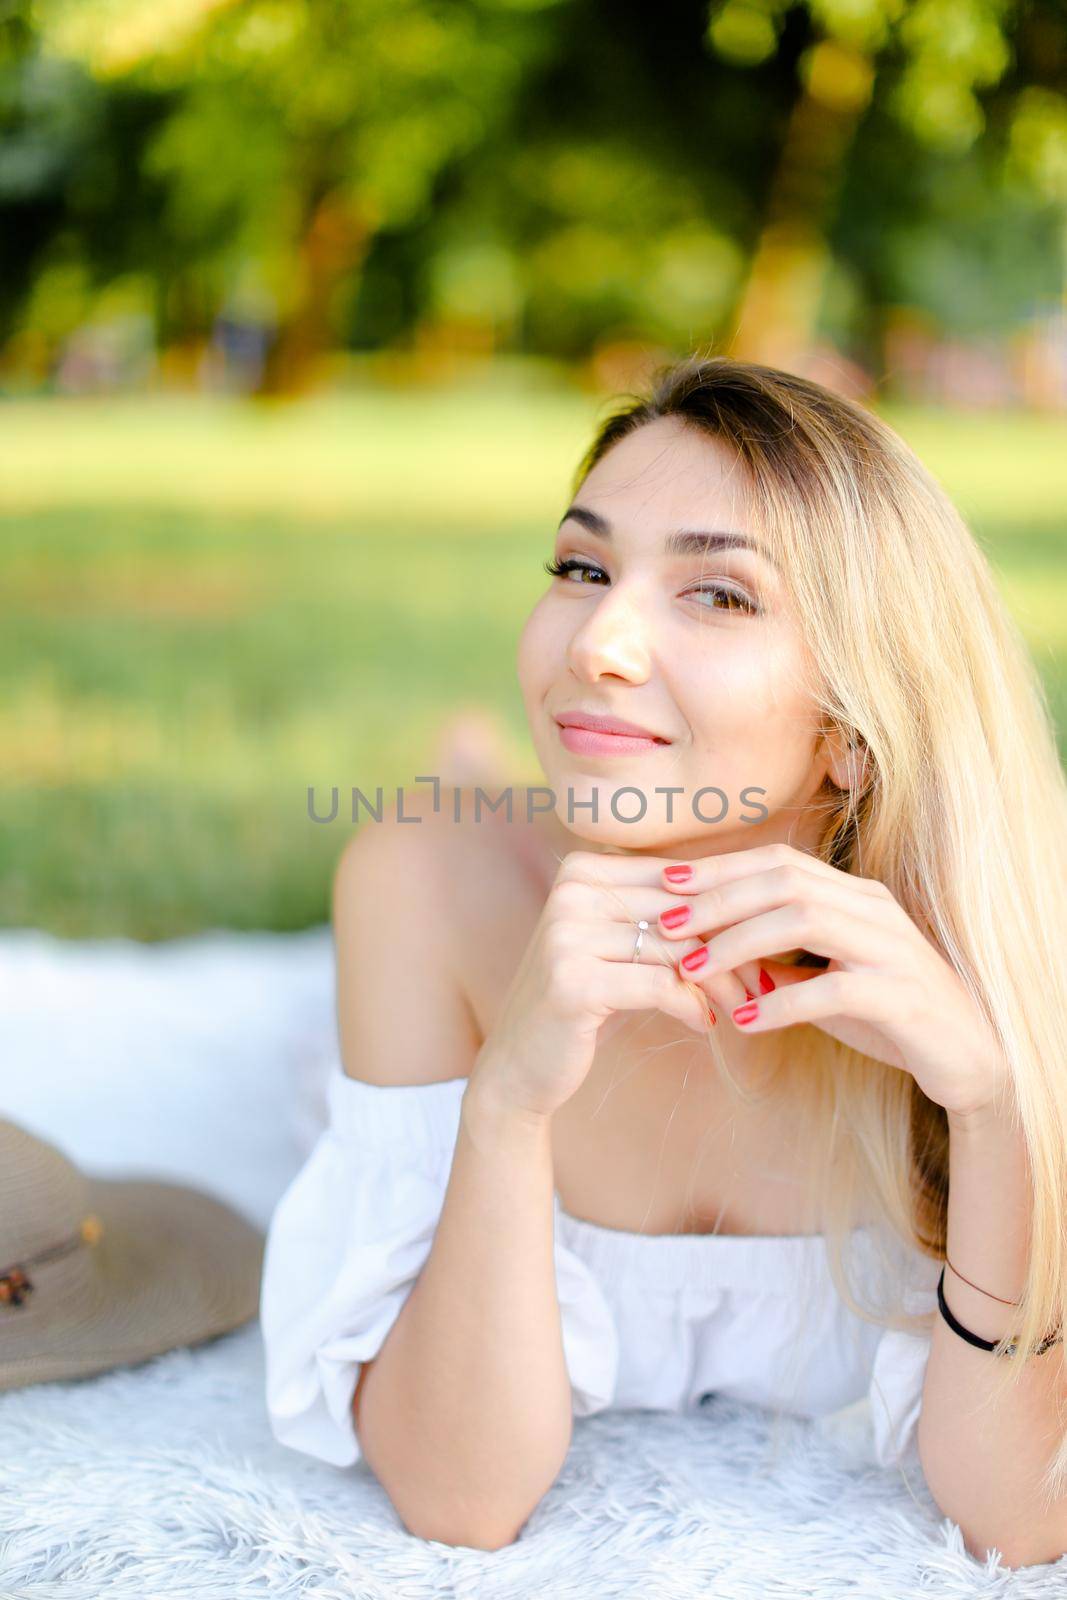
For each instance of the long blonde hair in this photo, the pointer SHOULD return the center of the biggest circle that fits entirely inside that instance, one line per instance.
(959, 806)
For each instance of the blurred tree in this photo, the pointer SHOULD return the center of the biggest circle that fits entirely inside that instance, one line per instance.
(546, 174)
(805, 159)
(948, 70)
(305, 127)
(74, 197)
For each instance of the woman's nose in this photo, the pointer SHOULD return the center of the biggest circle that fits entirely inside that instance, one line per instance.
(612, 639)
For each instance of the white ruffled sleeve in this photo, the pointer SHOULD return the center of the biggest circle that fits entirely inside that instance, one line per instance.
(344, 1248)
(878, 1428)
(896, 1392)
(590, 1338)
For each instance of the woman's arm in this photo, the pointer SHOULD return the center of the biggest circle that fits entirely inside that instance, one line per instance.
(983, 1462)
(465, 1414)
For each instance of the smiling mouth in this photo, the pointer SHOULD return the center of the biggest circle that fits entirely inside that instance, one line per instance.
(581, 740)
(604, 722)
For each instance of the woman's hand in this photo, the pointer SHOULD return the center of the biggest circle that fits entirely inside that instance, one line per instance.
(887, 992)
(578, 971)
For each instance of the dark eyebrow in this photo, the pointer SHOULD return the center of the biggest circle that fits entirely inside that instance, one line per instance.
(683, 542)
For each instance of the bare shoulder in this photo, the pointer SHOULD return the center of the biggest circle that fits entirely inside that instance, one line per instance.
(405, 912)
(427, 851)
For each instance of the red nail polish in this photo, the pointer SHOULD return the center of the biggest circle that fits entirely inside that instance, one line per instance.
(679, 874)
(749, 995)
(675, 916)
(746, 1013)
(694, 960)
(711, 1014)
(766, 982)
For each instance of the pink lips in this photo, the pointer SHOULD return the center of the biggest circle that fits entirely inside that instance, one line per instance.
(589, 733)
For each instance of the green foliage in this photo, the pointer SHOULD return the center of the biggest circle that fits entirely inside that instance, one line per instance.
(546, 173)
(74, 198)
(293, 116)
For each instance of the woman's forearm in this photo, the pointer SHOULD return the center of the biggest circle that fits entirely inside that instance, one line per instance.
(465, 1414)
(982, 1462)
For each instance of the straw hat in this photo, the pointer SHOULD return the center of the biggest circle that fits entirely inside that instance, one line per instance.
(98, 1273)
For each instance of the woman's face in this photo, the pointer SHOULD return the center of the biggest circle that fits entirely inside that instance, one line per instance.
(693, 644)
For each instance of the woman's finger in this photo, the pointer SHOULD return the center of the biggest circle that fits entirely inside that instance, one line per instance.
(821, 997)
(617, 941)
(621, 906)
(825, 929)
(709, 872)
(651, 987)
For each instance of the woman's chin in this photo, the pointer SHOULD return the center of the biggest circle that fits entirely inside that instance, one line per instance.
(597, 812)
(619, 837)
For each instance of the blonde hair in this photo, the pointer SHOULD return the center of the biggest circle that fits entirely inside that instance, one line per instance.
(959, 803)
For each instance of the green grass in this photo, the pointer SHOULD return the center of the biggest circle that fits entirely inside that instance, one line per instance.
(209, 606)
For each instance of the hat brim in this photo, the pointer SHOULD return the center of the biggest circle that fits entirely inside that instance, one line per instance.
(173, 1266)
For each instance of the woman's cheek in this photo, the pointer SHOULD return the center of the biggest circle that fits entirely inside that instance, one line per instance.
(530, 656)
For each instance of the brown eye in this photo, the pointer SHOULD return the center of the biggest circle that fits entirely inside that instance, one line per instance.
(734, 599)
(560, 569)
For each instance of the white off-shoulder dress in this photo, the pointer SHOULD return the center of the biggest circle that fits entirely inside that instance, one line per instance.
(659, 1321)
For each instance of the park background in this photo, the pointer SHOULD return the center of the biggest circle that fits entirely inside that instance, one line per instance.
(308, 310)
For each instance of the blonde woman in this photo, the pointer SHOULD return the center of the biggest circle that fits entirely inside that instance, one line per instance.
(738, 1064)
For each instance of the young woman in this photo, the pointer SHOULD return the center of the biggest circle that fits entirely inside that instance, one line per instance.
(741, 1066)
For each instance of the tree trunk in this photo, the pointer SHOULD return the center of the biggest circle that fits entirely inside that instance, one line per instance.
(334, 244)
(779, 305)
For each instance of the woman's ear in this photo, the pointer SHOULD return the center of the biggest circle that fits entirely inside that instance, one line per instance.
(848, 760)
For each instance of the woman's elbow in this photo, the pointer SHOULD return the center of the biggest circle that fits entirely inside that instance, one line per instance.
(473, 1534)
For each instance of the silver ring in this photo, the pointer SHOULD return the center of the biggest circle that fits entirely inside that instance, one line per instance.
(642, 929)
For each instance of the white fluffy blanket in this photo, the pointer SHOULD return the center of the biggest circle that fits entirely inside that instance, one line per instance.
(183, 1061)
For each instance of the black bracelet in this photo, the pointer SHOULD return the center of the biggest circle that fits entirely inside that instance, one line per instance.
(987, 1344)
